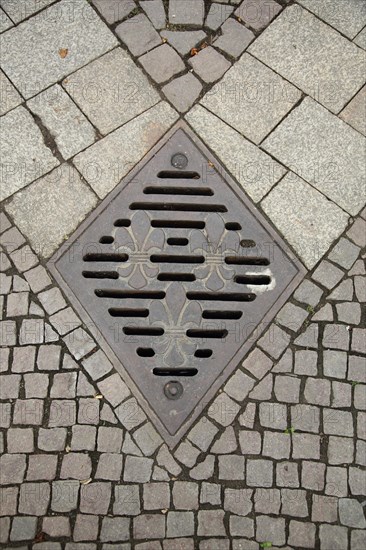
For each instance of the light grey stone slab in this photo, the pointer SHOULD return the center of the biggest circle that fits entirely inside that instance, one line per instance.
(305, 217)
(183, 41)
(217, 15)
(51, 208)
(324, 151)
(183, 91)
(107, 161)
(355, 112)
(111, 91)
(162, 63)
(360, 39)
(67, 124)
(138, 34)
(186, 12)
(114, 10)
(65, 28)
(235, 38)
(9, 96)
(5, 22)
(255, 171)
(313, 56)
(348, 17)
(20, 9)
(23, 152)
(155, 11)
(251, 98)
(209, 64)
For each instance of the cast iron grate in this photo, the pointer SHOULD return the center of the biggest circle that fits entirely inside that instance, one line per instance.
(177, 274)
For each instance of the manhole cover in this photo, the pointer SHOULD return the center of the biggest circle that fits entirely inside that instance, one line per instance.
(177, 274)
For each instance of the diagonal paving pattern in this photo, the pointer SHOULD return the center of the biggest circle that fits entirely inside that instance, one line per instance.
(276, 90)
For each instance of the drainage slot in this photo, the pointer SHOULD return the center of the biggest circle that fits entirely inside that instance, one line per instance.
(247, 243)
(252, 279)
(203, 353)
(100, 274)
(202, 333)
(178, 224)
(145, 352)
(178, 175)
(246, 260)
(223, 296)
(174, 241)
(233, 226)
(104, 257)
(122, 223)
(178, 207)
(224, 314)
(125, 312)
(106, 240)
(171, 259)
(187, 277)
(174, 372)
(128, 294)
(196, 191)
(143, 331)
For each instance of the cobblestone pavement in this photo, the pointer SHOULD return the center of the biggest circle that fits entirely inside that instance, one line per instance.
(276, 90)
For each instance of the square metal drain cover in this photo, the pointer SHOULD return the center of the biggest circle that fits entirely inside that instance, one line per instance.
(176, 273)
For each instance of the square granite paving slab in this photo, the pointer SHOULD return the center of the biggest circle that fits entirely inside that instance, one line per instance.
(324, 151)
(9, 96)
(308, 221)
(5, 22)
(347, 16)
(107, 161)
(20, 9)
(24, 155)
(255, 170)
(111, 90)
(33, 54)
(355, 112)
(251, 98)
(360, 39)
(313, 56)
(51, 208)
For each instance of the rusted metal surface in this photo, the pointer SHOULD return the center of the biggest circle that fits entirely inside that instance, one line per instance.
(177, 274)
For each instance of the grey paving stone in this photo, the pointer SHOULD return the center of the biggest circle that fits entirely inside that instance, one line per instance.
(97, 365)
(337, 422)
(9, 96)
(67, 124)
(85, 389)
(52, 439)
(109, 439)
(235, 38)
(263, 390)
(360, 39)
(12, 468)
(226, 443)
(89, 411)
(276, 445)
(183, 91)
(259, 473)
(86, 528)
(287, 389)
(294, 503)
(341, 395)
(349, 312)
(137, 469)
(306, 362)
(83, 438)
(159, 474)
(359, 397)
(328, 275)
(48, 357)
(21, 9)
(231, 467)
(242, 527)
(5, 21)
(38, 279)
(305, 418)
(356, 368)
(156, 496)
(313, 475)
(165, 459)
(37, 210)
(12, 239)
(271, 529)
(324, 220)
(76, 466)
(4, 522)
(114, 10)
(257, 172)
(354, 112)
(210, 493)
(138, 34)
(250, 442)
(217, 15)
(273, 415)
(23, 359)
(224, 410)
(259, 14)
(336, 336)
(178, 544)
(42, 467)
(4, 359)
(340, 450)
(307, 122)
(186, 12)
(109, 466)
(95, 498)
(83, 35)
(361, 453)
(64, 385)
(358, 268)
(302, 534)
(115, 529)
(25, 152)
(79, 343)
(343, 292)
(155, 11)
(52, 300)
(23, 258)
(333, 536)
(308, 293)
(147, 439)
(126, 500)
(4, 262)
(317, 391)
(130, 414)
(204, 469)
(6, 283)
(287, 474)
(65, 495)
(211, 523)
(209, 64)
(34, 498)
(360, 288)
(337, 482)
(351, 513)
(356, 480)
(359, 340)
(332, 80)
(267, 501)
(187, 454)
(114, 155)
(101, 91)
(357, 233)
(232, 98)
(258, 364)
(292, 317)
(344, 253)
(183, 41)
(324, 509)
(23, 528)
(113, 388)
(180, 524)
(346, 18)
(9, 496)
(162, 63)
(358, 538)
(56, 527)
(202, 434)
(361, 424)
(8, 334)
(5, 415)
(28, 411)
(129, 447)
(185, 495)
(62, 413)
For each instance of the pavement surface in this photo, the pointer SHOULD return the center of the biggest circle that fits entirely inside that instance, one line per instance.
(276, 90)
